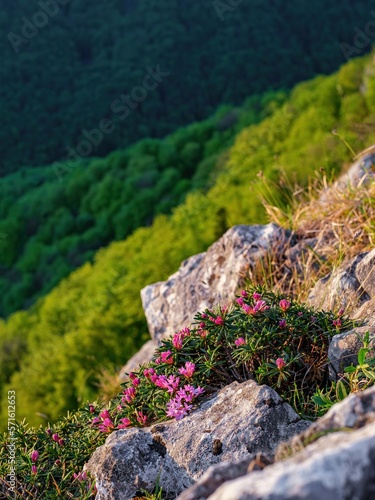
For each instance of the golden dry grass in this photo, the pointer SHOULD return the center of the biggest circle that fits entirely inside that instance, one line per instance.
(330, 224)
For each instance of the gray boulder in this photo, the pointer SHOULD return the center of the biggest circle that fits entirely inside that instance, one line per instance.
(333, 459)
(347, 287)
(343, 349)
(208, 279)
(235, 423)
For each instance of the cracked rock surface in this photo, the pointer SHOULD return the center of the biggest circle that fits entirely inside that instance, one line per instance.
(234, 424)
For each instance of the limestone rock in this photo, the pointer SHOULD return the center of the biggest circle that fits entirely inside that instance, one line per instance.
(336, 465)
(350, 286)
(360, 172)
(208, 279)
(238, 421)
(343, 349)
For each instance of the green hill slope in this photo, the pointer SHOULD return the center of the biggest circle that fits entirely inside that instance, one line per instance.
(94, 319)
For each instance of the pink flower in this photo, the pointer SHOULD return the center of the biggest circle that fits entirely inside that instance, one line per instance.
(56, 437)
(202, 324)
(57, 462)
(141, 418)
(244, 293)
(240, 301)
(219, 321)
(247, 309)
(188, 371)
(106, 426)
(284, 304)
(257, 296)
(170, 384)
(125, 423)
(204, 316)
(49, 431)
(177, 409)
(34, 470)
(337, 322)
(136, 381)
(300, 313)
(341, 312)
(82, 476)
(95, 420)
(166, 357)
(61, 442)
(129, 395)
(177, 341)
(92, 408)
(34, 456)
(240, 341)
(280, 363)
(149, 372)
(104, 414)
(202, 333)
(282, 323)
(260, 306)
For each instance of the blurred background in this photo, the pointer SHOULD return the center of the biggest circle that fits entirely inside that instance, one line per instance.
(133, 133)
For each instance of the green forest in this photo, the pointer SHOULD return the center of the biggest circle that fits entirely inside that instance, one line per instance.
(60, 81)
(53, 352)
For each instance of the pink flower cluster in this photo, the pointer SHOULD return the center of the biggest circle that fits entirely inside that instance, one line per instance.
(337, 322)
(170, 384)
(104, 422)
(34, 457)
(258, 306)
(189, 369)
(165, 357)
(240, 341)
(178, 338)
(178, 407)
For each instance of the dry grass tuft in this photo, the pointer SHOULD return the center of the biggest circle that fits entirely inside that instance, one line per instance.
(330, 225)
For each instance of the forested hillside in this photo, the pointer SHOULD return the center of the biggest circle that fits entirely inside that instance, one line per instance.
(54, 218)
(59, 81)
(93, 319)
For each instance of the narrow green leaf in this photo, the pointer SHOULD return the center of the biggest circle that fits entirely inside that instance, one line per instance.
(341, 391)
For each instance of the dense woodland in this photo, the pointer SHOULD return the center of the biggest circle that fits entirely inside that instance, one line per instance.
(68, 75)
(54, 218)
(53, 353)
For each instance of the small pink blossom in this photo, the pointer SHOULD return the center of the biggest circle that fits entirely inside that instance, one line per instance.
(341, 312)
(95, 420)
(149, 372)
(240, 341)
(34, 470)
(284, 304)
(170, 384)
(280, 363)
(129, 395)
(166, 357)
(177, 409)
(104, 414)
(61, 442)
(204, 316)
(244, 293)
(257, 296)
(282, 323)
(57, 462)
(132, 376)
(56, 437)
(34, 456)
(202, 324)
(240, 301)
(300, 313)
(82, 476)
(106, 426)
(136, 381)
(177, 341)
(337, 322)
(260, 306)
(49, 431)
(188, 371)
(91, 408)
(219, 321)
(125, 422)
(141, 418)
(202, 333)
